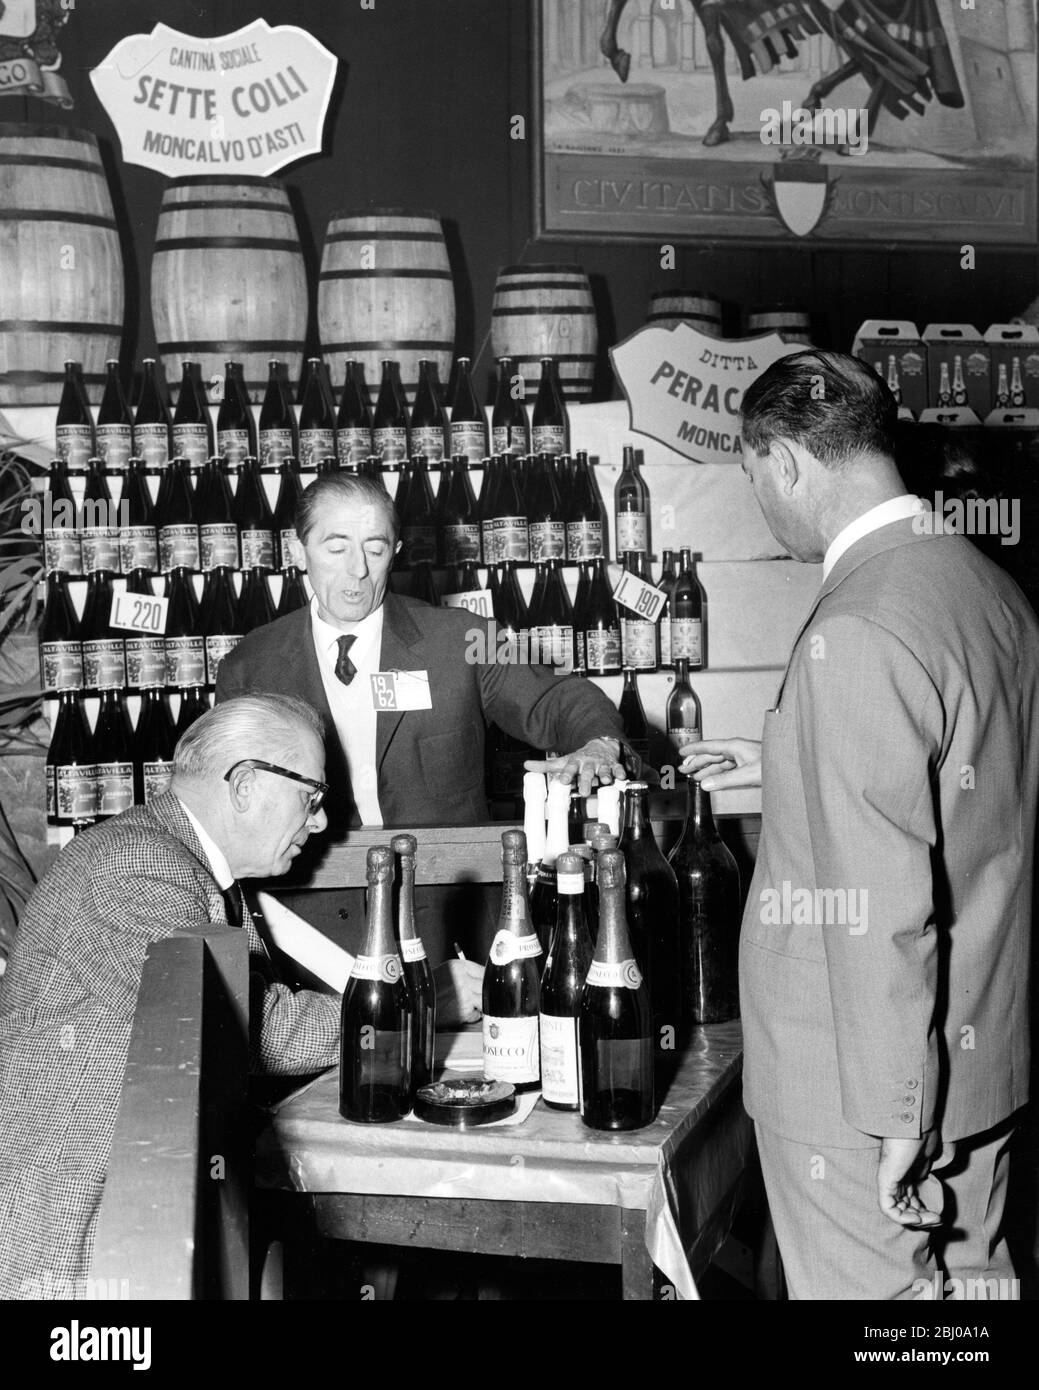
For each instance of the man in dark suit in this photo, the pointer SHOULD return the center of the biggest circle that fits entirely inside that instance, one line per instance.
(884, 954)
(424, 764)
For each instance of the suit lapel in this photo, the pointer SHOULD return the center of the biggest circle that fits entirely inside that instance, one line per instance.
(400, 633)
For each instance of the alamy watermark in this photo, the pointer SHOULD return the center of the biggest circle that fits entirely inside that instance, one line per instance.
(498, 646)
(44, 513)
(971, 516)
(846, 127)
(822, 907)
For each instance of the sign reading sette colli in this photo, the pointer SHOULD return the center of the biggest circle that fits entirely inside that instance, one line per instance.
(248, 103)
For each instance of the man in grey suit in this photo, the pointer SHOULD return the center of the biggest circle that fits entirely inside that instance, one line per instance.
(884, 955)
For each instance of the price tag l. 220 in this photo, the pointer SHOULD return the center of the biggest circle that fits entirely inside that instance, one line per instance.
(140, 613)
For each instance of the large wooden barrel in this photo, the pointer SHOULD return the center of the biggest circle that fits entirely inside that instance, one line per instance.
(386, 290)
(793, 325)
(61, 268)
(228, 280)
(698, 309)
(546, 311)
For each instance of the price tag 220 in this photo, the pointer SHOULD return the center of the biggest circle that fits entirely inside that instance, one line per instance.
(140, 613)
(635, 594)
(476, 600)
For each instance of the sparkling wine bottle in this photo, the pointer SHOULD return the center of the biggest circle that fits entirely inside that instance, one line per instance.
(458, 517)
(510, 536)
(153, 747)
(293, 592)
(184, 644)
(61, 651)
(552, 621)
(509, 433)
(70, 768)
(585, 515)
(550, 428)
(218, 532)
(390, 423)
(615, 1023)
(176, 521)
(145, 652)
(114, 423)
(651, 898)
(253, 517)
(98, 523)
(317, 423)
(218, 615)
(151, 424)
(489, 536)
(104, 654)
(417, 971)
(235, 426)
(631, 507)
(286, 542)
(193, 704)
(354, 421)
(468, 422)
(562, 984)
(277, 436)
(75, 426)
(512, 980)
(543, 894)
(113, 755)
(375, 1041)
(255, 608)
(418, 532)
(600, 634)
(138, 539)
(547, 526)
(192, 423)
(429, 424)
(62, 548)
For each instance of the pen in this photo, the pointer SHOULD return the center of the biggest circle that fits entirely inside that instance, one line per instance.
(458, 951)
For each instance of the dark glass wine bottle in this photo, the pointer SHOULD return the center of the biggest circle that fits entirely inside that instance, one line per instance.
(543, 893)
(509, 434)
(317, 422)
(489, 537)
(113, 755)
(458, 517)
(98, 523)
(192, 423)
(152, 425)
(631, 507)
(615, 1024)
(253, 517)
(138, 539)
(651, 897)
(417, 971)
(510, 535)
(354, 421)
(277, 436)
(176, 521)
(75, 427)
(62, 549)
(424, 585)
(235, 426)
(255, 608)
(193, 704)
(70, 768)
(667, 583)
(512, 980)
(684, 722)
(633, 716)
(418, 532)
(468, 421)
(286, 542)
(550, 429)
(218, 616)
(184, 644)
(114, 423)
(429, 424)
(585, 521)
(547, 527)
(153, 746)
(552, 622)
(638, 634)
(687, 613)
(145, 652)
(600, 633)
(375, 1040)
(390, 422)
(562, 984)
(218, 531)
(585, 575)
(709, 914)
(104, 654)
(465, 579)
(61, 651)
(293, 592)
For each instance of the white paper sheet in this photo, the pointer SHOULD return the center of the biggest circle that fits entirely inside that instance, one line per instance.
(307, 946)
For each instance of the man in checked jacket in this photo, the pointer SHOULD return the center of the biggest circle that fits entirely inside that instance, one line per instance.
(67, 999)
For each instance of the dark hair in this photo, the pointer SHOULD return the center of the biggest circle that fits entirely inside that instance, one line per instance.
(356, 488)
(833, 405)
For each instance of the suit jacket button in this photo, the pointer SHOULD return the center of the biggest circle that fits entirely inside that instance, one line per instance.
(908, 1117)
(909, 1100)
(912, 1083)
(343, 913)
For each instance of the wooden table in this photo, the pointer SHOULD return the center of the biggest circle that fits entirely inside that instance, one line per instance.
(550, 1188)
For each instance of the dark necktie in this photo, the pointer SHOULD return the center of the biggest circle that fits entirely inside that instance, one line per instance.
(233, 904)
(345, 669)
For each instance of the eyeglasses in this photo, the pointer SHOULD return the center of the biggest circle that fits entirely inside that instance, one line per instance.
(314, 800)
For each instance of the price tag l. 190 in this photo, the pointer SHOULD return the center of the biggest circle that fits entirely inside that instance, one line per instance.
(140, 613)
(635, 594)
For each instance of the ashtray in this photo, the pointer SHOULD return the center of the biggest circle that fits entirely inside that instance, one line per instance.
(465, 1101)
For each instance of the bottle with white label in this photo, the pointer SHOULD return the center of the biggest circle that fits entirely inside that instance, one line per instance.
(192, 426)
(184, 643)
(62, 548)
(429, 424)
(145, 651)
(509, 417)
(615, 1025)
(684, 722)
(277, 435)
(75, 426)
(152, 425)
(71, 770)
(549, 424)
(61, 650)
(512, 980)
(375, 1041)
(561, 986)
(390, 423)
(153, 746)
(113, 755)
(557, 842)
(468, 421)
(235, 426)
(585, 515)
(417, 971)
(458, 517)
(98, 523)
(114, 423)
(639, 641)
(668, 578)
(687, 598)
(631, 507)
(138, 540)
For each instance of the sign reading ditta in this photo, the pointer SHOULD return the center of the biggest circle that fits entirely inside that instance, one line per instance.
(248, 103)
(685, 389)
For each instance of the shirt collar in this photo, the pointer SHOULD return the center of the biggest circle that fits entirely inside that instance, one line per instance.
(894, 509)
(218, 864)
(367, 631)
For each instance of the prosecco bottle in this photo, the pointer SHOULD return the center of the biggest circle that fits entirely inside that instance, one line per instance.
(687, 613)
(543, 894)
(615, 1023)
(709, 914)
(151, 424)
(235, 427)
(390, 422)
(114, 423)
(153, 746)
(375, 1040)
(253, 517)
(293, 592)
(75, 426)
(70, 768)
(429, 424)
(666, 582)
(684, 723)
(104, 655)
(547, 527)
(277, 436)
(192, 425)
(562, 984)
(138, 539)
(286, 542)
(418, 532)
(218, 614)
(145, 651)
(509, 434)
(458, 517)
(354, 421)
(61, 651)
(176, 522)
(184, 643)
(218, 532)
(631, 507)
(193, 704)
(633, 716)
(599, 630)
(468, 422)
(98, 523)
(62, 548)
(255, 608)
(417, 972)
(651, 899)
(512, 980)
(549, 430)
(113, 755)
(317, 423)
(638, 634)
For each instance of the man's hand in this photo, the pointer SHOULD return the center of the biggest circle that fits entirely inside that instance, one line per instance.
(598, 762)
(459, 992)
(723, 762)
(903, 1166)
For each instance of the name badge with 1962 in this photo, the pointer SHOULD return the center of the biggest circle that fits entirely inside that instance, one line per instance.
(401, 690)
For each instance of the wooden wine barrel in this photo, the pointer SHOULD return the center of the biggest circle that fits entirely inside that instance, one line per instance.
(228, 281)
(792, 325)
(61, 267)
(546, 311)
(385, 290)
(694, 307)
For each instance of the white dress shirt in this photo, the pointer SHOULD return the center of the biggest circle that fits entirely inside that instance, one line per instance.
(218, 865)
(894, 509)
(353, 710)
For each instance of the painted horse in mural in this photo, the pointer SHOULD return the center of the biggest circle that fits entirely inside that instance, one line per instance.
(899, 46)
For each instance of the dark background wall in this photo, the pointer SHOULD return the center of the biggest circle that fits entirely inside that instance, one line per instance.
(420, 118)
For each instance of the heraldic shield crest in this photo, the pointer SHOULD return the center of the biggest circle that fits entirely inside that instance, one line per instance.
(800, 190)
